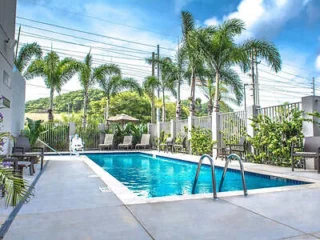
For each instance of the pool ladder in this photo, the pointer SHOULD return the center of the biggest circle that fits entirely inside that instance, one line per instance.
(213, 176)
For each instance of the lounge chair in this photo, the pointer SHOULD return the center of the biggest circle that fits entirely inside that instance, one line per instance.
(108, 142)
(145, 142)
(127, 142)
(169, 144)
(310, 149)
(181, 147)
(22, 149)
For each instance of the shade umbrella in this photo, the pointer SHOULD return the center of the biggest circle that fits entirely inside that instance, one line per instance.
(122, 118)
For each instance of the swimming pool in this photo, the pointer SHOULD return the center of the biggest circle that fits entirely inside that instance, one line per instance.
(150, 177)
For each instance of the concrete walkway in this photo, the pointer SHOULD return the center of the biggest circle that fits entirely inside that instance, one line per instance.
(69, 205)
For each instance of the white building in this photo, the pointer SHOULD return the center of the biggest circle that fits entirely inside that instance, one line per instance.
(12, 84)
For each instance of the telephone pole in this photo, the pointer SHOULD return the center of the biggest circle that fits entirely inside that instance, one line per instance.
(253, 78)
(158, 76)
(313, 87)
(152, 71)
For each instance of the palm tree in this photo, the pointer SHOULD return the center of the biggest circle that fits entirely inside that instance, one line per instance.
(229, 91)
(222, 53)
(112, 85)
(89, 75)
(192, 52)
(55, 73)
(149, 85)
(26, 54)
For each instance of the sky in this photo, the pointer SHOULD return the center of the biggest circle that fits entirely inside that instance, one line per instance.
(125, 32)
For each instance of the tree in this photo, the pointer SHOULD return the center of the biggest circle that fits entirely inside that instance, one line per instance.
(149, 85)
(89, 75)
(26, 54)
(222, 53)
(192, 52)
(115, 84)
(55, 73)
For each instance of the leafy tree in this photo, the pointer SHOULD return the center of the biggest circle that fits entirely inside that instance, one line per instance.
(149, 85)
(113, 85)
(55, 73)
(222, 53)
(89, 75)
(26, 54)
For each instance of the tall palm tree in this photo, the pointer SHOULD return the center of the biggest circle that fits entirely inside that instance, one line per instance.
(55, 73)
(149, 85)
(90, 75)
(222, 53)
(112, 85)
(192, 52)
(26, 54)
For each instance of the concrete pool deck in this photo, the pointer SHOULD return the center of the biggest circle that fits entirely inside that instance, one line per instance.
(68, 204)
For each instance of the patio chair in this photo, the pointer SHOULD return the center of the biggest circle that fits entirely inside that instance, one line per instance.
(181, 147)
(108, 142)
(240, 147)
(127, 142)
(309, 149)
(23, 150)
(145, 142)
(169, 144)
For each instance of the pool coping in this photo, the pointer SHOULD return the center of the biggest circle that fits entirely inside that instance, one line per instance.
(129, 198)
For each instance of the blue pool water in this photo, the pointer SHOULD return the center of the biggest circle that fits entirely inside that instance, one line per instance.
(150, 176)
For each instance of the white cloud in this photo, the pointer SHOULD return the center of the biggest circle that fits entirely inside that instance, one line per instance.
(211, 21)
(265, 18)
(318, 63)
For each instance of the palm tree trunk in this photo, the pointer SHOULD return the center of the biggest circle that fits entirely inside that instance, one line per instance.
(163, 107)
(216, 95)
(178, 106)
(50, 115)
(210, 106)
(85, 108)
(107, 109)
(192, 94)
(153, 110)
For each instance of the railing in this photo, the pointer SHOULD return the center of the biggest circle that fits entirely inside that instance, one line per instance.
(280, 112)
(56, 135)
(232, 126)
(181, 127)
(202, 122)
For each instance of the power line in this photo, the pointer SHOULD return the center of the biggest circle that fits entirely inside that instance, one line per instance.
(91, 33)
(134, 50)
(285, 72)
(104, 20)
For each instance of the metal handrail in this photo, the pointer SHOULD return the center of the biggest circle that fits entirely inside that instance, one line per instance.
(231, 156)
(212, 173)
(48, 146)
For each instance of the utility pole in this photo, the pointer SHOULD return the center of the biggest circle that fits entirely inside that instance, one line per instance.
(257, 82)
(245, 96)
(313, 87)
(178, 107)
(152, 71)
(158, 76)
(253, 78)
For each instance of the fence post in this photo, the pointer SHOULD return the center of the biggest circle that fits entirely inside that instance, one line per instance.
(102, 128)
(173, 128)
(250, 113)
(158, 133)
(216, 135)
(310, 104)
(190, 124)
(72, 129)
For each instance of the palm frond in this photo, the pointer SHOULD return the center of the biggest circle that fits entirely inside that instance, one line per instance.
(25, 55)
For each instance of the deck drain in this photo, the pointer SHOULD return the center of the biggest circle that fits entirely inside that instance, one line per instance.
(104, 189)
(93, 176)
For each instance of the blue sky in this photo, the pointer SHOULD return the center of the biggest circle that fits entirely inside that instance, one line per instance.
(293, 25)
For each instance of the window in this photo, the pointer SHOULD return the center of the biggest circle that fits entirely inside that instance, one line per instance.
(6, 79)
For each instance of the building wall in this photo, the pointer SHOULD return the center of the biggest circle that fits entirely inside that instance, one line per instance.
(12, 84)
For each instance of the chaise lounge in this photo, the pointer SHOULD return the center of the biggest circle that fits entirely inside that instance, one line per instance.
(145, 142)
(127, 142)
(108, 142)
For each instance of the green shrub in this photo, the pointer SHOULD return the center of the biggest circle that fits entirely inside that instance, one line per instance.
(201, 141)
